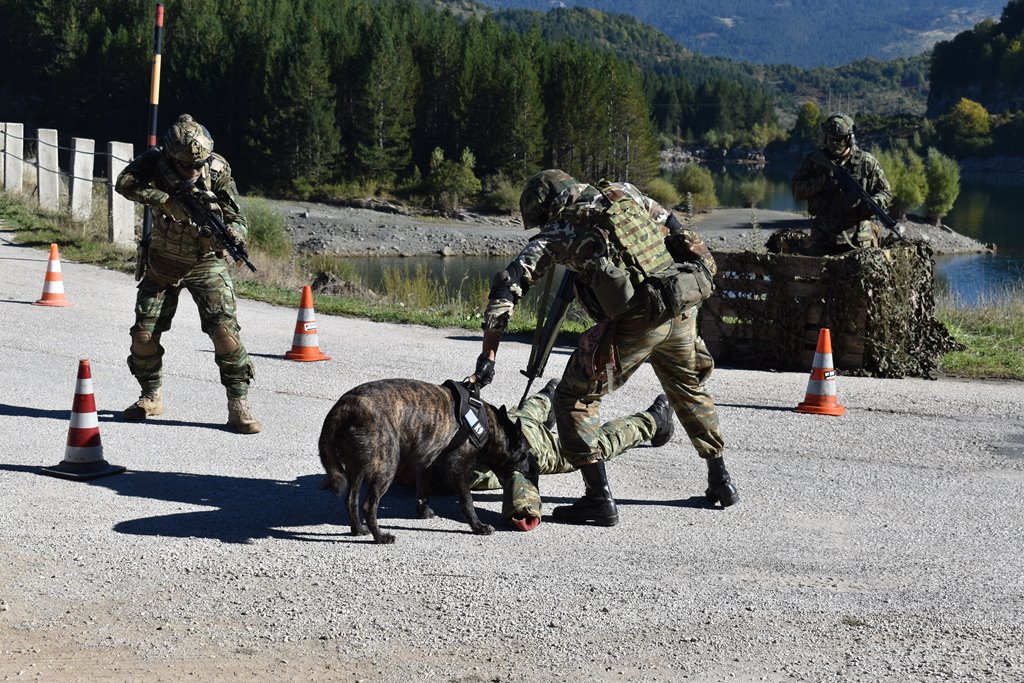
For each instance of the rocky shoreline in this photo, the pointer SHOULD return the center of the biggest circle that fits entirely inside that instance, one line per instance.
(389, 230)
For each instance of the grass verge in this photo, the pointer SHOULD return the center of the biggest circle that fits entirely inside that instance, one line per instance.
(992, 334)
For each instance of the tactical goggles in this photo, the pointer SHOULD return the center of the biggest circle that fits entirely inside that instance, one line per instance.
(195, 166)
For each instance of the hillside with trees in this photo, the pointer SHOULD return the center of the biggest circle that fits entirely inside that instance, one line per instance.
(803, 33)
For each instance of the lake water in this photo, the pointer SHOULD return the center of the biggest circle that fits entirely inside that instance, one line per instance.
(986, 209)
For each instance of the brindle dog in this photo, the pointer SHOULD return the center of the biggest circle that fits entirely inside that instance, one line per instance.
(378, 427)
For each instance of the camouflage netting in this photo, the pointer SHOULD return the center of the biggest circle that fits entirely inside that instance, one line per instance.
(901, 335)
(877, 303)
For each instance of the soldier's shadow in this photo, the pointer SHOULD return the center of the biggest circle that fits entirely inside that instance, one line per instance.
(242, 510)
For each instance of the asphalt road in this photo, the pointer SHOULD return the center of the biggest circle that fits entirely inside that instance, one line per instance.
(884, 545)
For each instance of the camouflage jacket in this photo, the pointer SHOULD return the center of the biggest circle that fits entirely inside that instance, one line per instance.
(149, 179)
(829, 205)
(564, 242)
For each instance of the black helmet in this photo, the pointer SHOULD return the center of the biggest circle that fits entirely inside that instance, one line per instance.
(535, 202)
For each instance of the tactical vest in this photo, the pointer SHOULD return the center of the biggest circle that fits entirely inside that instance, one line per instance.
(176, 247)
(634, 251)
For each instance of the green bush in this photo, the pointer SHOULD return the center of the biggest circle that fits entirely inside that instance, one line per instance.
(661, 191)
(501, 193)
(943, 185)
(267, 230)
(907, 179)
(452, 181)
(752, 191)
(697, 180)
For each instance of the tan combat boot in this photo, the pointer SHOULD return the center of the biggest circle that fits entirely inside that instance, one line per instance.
(240, 418)
(150, 404)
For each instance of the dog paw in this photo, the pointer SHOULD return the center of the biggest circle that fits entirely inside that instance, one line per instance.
(360, 531)
(483, 530)
(426, 513)
(385, 539)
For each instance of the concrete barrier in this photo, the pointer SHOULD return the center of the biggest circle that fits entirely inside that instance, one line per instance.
(81, 178)
(47, 169)
(14, 154)
(122, 209)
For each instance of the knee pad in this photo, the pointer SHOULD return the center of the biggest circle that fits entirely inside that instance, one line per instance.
(143, 344)
(225, 340)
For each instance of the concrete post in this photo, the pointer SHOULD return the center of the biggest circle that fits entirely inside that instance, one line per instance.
(122, 209)
(14, 153)
(81, 178)
(47, 169)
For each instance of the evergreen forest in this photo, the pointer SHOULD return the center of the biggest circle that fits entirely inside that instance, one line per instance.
(314, 93)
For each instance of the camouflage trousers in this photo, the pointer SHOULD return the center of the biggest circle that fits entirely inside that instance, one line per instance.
(211, 288)
(682, 364)
(614, 438)
(830, 239)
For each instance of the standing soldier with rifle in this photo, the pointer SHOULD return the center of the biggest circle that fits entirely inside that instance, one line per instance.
(199, 221)
(845, 188)
(643, 290)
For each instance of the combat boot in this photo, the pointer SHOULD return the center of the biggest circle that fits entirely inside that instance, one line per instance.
(549, 391)
(596, 507)
(664, 423)
(150, 404)
(240, 418)
(720, 485)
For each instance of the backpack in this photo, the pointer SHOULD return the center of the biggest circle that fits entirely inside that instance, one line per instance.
(639, 270)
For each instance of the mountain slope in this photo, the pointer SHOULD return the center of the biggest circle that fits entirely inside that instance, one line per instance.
(805, 33)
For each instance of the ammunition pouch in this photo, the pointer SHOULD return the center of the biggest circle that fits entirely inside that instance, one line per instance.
(672, 292)
(611, 288)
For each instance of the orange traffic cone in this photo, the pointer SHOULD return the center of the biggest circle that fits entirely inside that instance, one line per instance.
(306, 343)
(53, 285)
(83, 457)
(821, 388)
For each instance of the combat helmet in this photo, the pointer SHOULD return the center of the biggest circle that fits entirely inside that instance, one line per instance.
(188, 142)
(540, 190)
(837, 134)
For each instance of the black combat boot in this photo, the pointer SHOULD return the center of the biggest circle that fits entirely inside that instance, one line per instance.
(664, 423)
(549, 391)
(720, 486)
(597, 506)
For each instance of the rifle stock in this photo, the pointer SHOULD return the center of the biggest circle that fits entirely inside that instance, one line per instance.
(198, 206)
(545, 341)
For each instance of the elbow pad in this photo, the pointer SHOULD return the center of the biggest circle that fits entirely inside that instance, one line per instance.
(673, 224)
(508, 284)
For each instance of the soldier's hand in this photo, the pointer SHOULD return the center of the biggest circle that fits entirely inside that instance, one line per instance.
(484, 373)
(174, 209)
(235, 235)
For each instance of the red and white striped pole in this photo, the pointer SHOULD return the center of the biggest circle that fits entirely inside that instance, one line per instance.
(154, 102)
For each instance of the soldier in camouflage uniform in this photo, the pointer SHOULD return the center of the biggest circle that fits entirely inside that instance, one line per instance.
(536, 420)
(841, 223)
(182, 255)
(628, 331)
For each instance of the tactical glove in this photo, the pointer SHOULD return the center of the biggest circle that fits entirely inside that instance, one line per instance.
(484, 370)
(175, 210)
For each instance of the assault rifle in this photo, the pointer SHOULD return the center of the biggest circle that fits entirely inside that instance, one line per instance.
(853, 190)
(547, 329)
(197, 203)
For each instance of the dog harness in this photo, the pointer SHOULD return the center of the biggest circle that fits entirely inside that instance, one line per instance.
(470, 415)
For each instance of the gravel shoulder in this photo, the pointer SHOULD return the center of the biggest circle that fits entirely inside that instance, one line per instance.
(351, 231)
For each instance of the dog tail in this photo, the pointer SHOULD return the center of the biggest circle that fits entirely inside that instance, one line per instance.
(335, 481)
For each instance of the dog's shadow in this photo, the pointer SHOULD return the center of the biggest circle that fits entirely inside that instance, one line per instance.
(242, 510)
